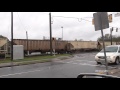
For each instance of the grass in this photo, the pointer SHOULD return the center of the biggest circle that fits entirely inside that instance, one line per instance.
(32, 58)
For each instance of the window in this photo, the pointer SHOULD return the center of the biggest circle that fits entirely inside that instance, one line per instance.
(110, 49)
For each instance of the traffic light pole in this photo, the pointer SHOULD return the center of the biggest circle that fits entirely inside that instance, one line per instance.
(50, 34)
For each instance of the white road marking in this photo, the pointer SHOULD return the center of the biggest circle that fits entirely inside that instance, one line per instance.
(72, 62)
(75, 60)
(49, 67)
(20, 73)
(8, 67)
(84, 60)
(87, 64)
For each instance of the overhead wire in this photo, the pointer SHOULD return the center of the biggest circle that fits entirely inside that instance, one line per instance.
(24, 26)
(21, 22)
(53, 16)
(79, 19)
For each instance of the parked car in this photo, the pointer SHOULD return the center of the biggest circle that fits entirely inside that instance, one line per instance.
(112, 55)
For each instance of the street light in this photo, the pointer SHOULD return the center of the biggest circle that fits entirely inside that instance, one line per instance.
(62, 32)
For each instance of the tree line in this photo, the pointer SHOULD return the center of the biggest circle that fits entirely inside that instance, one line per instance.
(106, 38)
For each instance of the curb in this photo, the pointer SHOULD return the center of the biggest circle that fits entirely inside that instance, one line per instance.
(23, 63)
(31, 62)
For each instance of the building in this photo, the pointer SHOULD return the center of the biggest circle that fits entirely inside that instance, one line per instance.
(3, 44)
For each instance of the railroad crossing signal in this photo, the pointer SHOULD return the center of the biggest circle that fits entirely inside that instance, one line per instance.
(109, 19)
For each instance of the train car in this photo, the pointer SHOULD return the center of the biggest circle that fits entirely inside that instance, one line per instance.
(33, 45)
(81, 45)
(77, 46)
(117, 43)
(107, 43)
(59, 46)
(42, 46)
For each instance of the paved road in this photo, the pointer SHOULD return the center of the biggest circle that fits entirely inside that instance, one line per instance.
(70, 68)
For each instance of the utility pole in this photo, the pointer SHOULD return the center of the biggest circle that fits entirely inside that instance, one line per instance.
(27, 42)
(11, 36)
(50, 34)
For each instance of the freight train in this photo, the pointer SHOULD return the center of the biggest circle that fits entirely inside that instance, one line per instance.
(43, 46)
(59, 46)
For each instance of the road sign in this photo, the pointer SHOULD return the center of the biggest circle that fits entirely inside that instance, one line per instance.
(101, 20)
(110, 19)
(117, 14)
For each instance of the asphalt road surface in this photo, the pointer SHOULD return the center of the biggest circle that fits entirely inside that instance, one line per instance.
(70, 68)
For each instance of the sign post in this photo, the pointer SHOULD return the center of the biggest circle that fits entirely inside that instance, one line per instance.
(101, 22)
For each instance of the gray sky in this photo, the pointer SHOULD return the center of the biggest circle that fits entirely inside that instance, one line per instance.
(37, 25)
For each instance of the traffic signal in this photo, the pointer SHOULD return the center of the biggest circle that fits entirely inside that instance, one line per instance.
(111, 29)
(116, 29)
(92, 21)
(110, 18)
(53, 39)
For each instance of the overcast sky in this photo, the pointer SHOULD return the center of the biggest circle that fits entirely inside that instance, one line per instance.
(37, 25)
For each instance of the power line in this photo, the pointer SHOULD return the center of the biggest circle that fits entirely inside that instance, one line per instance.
(79, 19)
(65, 17)
(21, 22)
(71, 17)
(44, 13)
